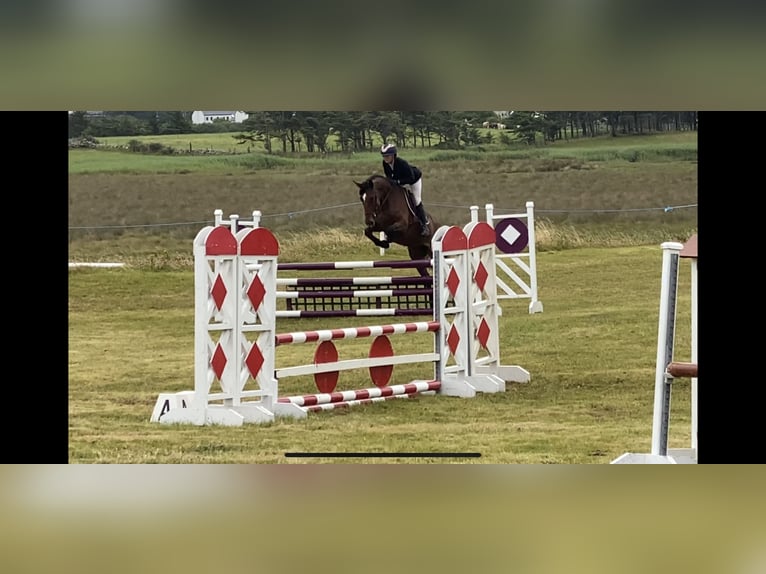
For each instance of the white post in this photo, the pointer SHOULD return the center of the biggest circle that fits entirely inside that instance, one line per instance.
(665, 339)
(663, 380)
(449, 246)
(218, 214)
(489, 209)
(474, 213)
(535, 306)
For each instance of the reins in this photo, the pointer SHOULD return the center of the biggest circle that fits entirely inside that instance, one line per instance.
(382, 197)
(379, 202)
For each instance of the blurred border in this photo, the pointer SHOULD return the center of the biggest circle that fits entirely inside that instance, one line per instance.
(142, 55)
(579, 519)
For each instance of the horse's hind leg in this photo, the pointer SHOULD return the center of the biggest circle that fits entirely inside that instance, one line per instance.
(417, 253)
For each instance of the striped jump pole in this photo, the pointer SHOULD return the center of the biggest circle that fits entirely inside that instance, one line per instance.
(353, 281)
(327, 401)
(351, 294)
(332, 265)
(356, 332)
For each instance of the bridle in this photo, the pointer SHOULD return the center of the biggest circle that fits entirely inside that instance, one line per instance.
(379, 201)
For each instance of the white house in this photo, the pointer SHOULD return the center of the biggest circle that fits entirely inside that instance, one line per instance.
(210, 117)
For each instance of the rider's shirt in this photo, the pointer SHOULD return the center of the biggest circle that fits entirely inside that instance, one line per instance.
(402, 171)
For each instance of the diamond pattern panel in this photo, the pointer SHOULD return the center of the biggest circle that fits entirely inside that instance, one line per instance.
(481, 275)
(453, 281)
(453, 339)
(254, 360)
(483, 333)
(218, 361)
(256, 292)
(218, 292)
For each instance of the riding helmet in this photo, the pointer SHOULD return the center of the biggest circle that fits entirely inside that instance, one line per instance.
(388, 149)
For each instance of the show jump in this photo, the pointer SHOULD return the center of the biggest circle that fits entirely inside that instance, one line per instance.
(237, 375)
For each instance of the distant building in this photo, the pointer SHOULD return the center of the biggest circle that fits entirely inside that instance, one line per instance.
(210, 117)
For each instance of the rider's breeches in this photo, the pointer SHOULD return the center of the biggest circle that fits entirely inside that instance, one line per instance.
(417, 190)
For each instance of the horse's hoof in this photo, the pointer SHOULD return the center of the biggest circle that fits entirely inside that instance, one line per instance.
(385, 244)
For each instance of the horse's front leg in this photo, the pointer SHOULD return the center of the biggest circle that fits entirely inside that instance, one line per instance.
(368, 233)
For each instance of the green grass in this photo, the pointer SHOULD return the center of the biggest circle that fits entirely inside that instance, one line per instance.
(225, 154)
(225, 142)
(590, 354)
(86, 161)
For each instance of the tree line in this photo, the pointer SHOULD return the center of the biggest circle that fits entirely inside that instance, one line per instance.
(305, 131)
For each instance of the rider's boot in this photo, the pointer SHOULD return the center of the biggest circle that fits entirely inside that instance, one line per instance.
(421, 213)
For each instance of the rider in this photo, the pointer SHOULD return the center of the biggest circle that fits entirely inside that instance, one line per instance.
(403, 173)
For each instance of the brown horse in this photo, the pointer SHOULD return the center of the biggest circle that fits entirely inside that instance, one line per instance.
(388, 208)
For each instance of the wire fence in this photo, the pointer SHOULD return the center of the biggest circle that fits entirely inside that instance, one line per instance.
(298, 214)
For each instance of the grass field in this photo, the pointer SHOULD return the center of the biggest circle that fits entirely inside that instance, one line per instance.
(590, 354)
(601, 213)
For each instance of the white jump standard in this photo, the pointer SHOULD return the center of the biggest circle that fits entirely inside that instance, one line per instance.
(667, 368)
(236, 339)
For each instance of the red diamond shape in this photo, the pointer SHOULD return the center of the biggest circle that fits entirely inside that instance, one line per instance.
(483, 333)
(219, 361)
(254, 360)
(481, 275)
(256, 292)
(218, 292)
(453, 339)
(453, 281)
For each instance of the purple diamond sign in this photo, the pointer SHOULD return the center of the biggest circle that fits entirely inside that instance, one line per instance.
(511, 235)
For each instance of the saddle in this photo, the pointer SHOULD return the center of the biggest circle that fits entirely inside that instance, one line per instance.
(408, 197)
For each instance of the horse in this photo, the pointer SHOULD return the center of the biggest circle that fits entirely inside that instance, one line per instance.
(388, 208)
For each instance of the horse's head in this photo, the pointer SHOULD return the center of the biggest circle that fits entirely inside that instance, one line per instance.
(372, 197)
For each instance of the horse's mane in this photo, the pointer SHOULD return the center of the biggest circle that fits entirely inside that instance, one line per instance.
(369, 183)
(375, 176)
